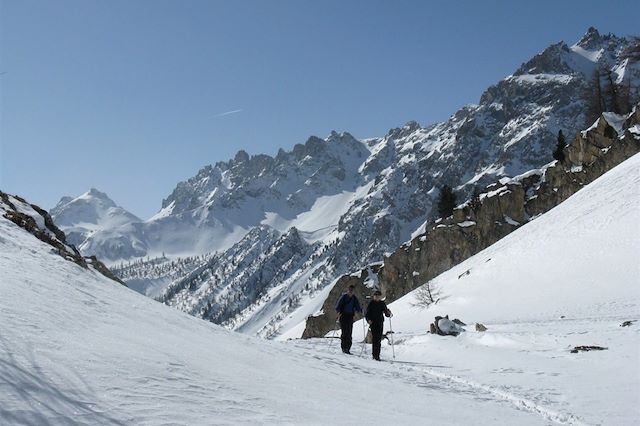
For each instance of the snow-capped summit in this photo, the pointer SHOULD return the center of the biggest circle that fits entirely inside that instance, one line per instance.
(592, 39)
(80, 217)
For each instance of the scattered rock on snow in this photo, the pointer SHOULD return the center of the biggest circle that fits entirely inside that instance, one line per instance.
(480, 327)
(587, 349)
(627, 323)
(467, 272)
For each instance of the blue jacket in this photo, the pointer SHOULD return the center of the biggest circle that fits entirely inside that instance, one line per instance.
(348, 305)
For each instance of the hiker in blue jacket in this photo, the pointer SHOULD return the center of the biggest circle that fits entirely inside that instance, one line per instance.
(346, 308)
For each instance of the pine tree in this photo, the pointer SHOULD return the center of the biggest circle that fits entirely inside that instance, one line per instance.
(474, 202)
(613, 92)
(626, 96)
(558, 153)
(446, 201)
(596, 104)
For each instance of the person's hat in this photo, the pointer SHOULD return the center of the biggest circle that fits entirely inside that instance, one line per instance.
(352, 286)
(377, 293)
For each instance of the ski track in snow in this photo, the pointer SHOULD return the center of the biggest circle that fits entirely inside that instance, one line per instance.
(425, 376)
(581, 285)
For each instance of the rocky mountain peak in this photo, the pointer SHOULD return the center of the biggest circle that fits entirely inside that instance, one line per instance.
(241, 157)
(93, 192)
(293, 234)
(404, 131)
(411, 125)
(549, 61)
(314, 145)
(342, 137)
(607, 45)
(93, 210)
(88, 207)
(591, 39)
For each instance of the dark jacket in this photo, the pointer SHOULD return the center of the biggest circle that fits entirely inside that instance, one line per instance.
(348, 305)
(376, 310)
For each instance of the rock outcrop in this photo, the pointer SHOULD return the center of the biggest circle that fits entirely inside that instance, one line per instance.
(504, 206)
(38, 223)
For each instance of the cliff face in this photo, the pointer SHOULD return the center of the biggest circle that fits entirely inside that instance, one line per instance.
(503, 207)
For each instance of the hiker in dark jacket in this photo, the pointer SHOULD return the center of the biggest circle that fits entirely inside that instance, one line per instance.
(346, 308)
(375, 311)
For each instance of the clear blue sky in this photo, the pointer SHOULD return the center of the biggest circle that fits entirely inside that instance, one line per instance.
(130, 96)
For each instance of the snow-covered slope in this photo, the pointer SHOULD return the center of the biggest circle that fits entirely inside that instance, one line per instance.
(569, 278)
(351, 201)
(77, 348)
(91, 212)
(38, 223)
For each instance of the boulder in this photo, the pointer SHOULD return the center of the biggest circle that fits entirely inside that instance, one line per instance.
(443, 326)
(449, 328)
(577, 349)
(480, 327)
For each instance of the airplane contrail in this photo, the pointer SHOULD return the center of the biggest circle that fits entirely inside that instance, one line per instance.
(222, 114)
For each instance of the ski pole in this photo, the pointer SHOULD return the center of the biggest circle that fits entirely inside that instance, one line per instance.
(364, 341)
(333, 336)
(364, 338)
(392, 348)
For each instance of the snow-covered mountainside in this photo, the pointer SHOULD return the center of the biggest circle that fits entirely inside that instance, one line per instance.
(343, 203)
(94, 211)
(77, 348)
(497, 211)
(569, 278)
(39, 224)
(292, 306)
(151, 276)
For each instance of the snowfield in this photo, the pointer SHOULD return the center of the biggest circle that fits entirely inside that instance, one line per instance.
(569, 278)
(77, 348)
